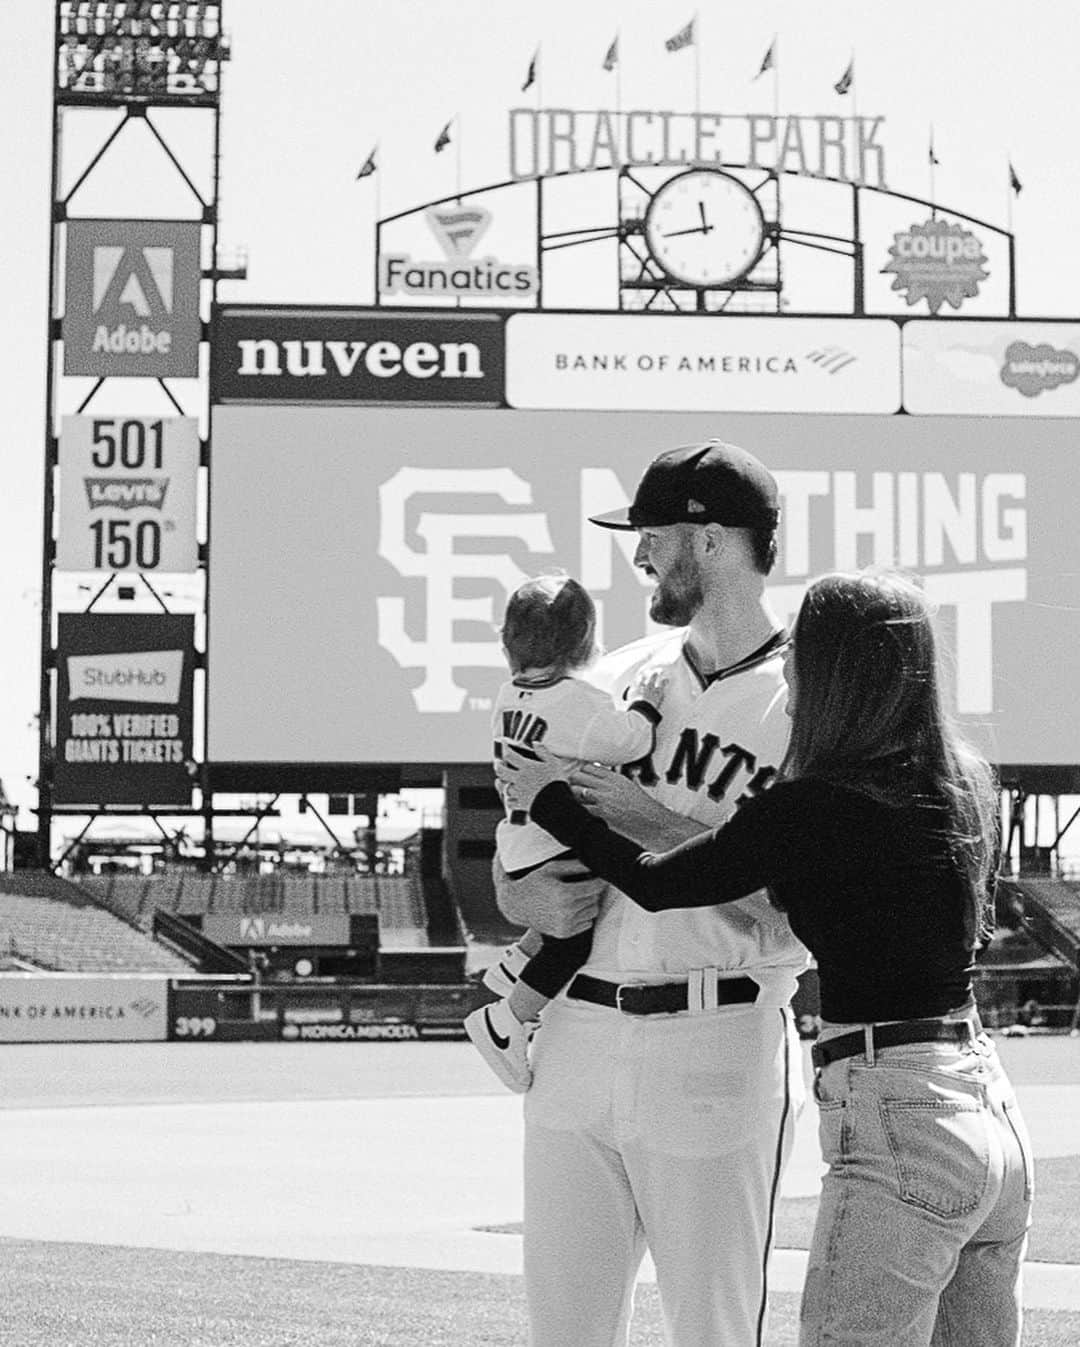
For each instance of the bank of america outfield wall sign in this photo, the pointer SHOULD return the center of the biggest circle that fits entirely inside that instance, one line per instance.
(131, 298)
(348, 356)
(124, 708)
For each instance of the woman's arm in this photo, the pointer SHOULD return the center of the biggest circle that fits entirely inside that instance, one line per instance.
(715, 867)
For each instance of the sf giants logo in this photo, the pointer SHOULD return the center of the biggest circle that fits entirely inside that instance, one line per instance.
(438, 564)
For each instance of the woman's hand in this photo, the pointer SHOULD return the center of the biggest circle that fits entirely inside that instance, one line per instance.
(522, 778)
(629, 810)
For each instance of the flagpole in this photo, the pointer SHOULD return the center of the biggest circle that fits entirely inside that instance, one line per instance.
(539, 74)
(933, 165)
(697, 64)
(457, 156)
(376, 231)
(378, 193)
(776, 77)
(1009, 195)
(618, 81)
(1012, 188)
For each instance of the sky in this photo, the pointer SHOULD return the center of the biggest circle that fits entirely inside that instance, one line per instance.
(312, 88)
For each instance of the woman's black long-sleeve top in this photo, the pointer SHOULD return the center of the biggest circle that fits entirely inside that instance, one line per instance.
(870, 888)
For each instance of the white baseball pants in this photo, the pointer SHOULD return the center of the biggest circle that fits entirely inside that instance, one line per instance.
(668, 1132)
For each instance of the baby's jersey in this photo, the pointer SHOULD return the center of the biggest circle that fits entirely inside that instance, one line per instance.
(572, 719)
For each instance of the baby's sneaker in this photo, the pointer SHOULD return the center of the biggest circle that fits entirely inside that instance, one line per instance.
(503, 1042)
(502, 976)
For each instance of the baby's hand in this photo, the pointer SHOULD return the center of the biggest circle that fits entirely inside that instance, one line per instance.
(650, 687)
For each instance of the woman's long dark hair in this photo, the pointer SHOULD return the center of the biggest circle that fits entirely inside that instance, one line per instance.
(867, 712)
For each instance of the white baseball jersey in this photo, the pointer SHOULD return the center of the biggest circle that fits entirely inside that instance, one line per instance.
(721, 739)
(670, 1130)
(572, 719)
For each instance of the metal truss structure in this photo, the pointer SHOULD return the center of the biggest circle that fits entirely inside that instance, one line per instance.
(131, 57)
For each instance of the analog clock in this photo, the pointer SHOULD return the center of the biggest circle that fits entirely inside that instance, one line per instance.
(704, 228)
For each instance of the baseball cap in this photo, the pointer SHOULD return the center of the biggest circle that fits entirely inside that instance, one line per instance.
(707, 483)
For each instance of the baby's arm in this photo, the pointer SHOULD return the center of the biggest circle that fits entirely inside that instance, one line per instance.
(619, 734)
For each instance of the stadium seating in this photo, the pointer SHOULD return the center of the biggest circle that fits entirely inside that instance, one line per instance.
(1052, 907)
(333, 895)
(64, 936)
(397, 900)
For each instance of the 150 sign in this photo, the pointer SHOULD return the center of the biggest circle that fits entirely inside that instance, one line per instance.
(127, 493)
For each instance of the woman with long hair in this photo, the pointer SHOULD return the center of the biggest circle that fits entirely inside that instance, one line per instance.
(879, 840)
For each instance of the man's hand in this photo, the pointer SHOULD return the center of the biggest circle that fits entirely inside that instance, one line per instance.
(629, 810)
(560, 899)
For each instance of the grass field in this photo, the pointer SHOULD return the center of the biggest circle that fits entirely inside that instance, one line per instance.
(141, 1180)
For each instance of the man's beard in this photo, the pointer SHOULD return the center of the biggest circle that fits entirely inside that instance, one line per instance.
(679, 595)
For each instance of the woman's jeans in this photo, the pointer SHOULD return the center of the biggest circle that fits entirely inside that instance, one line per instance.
(925, 1207)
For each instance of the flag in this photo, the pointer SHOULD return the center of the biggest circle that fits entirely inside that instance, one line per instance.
(770, 60)
(530, 74)
(1014, 181)
(444, 137)
(847, 79)
(934, 160)
(611, 60)
(683, 38)
(368, 166)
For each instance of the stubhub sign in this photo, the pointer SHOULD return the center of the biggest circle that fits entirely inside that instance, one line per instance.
(139, 676)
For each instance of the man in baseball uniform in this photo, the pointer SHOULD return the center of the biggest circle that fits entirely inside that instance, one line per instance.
(666, 1080)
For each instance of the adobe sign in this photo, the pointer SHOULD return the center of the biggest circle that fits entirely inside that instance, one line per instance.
(131, 298)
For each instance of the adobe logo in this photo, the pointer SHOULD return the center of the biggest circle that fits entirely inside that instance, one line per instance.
(132, 298)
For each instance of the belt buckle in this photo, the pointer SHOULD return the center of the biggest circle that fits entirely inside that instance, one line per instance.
(624, 987)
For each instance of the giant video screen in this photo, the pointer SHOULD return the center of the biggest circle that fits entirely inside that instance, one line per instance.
(361, 556)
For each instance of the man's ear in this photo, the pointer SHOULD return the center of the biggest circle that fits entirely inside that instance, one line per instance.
(715, 536)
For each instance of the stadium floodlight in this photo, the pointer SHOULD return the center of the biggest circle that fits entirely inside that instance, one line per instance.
(113, 51)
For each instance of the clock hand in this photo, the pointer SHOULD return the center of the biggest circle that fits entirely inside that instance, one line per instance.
(697, 229)
(704, 222)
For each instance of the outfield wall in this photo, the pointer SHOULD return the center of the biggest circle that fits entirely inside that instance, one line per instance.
(151, 1008)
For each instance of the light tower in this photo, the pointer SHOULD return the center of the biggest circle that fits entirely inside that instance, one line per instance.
(129, 299)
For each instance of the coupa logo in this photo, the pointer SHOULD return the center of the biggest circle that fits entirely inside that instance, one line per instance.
(126, 493)
(1032, 370)
(130, 286)
(936, 261)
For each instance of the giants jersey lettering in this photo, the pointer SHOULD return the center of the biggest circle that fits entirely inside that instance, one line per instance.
(719, 741)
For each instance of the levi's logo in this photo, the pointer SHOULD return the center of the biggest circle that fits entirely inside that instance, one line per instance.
(126, 493)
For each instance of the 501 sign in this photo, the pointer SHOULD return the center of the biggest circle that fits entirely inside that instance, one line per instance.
(127, 493)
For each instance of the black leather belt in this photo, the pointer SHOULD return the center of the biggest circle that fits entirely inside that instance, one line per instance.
(664, 998)
(893, 1036)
